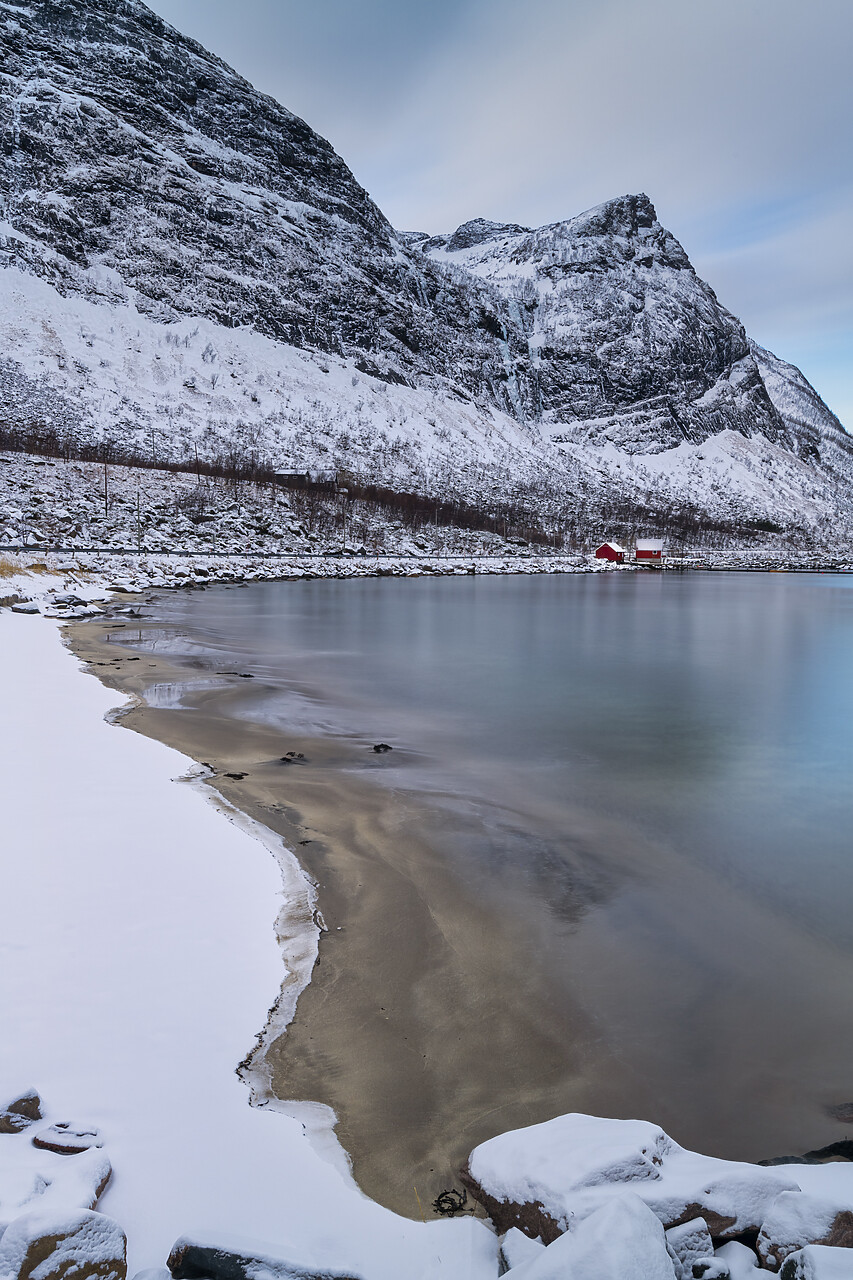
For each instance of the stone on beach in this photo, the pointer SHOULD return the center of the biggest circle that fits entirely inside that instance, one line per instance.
(192, 1259)
(623, 1240)
(20, 1112)
(818, 1262)
(547, 1177)
(66, 1139)
(50, 1244)
(795, 1220)
(50, 1184)
(741, 1261)
(688, 1243)
(517, 1248)
(842, 1111)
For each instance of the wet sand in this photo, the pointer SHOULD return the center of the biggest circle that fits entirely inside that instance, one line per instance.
(425, 1027)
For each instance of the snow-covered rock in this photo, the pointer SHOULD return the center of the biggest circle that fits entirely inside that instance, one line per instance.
(796, 1219)
(632, 346)
(517, 1248)
(818, 1262)
(31, 1179)
(191, 1258)
(20, 1112)
(688, 1243)
(622, 1240)
(47, 1244)
(740, 1260)
(67, 1139)
(550, 1176)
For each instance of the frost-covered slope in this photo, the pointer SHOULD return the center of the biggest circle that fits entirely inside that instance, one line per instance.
(189, 266)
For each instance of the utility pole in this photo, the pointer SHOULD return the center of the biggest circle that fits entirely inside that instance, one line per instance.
(106, 489)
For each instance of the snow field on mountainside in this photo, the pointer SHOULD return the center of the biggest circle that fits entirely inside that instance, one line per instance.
(165, 388)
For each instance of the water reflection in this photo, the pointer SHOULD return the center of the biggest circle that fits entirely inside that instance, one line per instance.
(650, 771)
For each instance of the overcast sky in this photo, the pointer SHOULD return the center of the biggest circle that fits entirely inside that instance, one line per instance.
(735, 116)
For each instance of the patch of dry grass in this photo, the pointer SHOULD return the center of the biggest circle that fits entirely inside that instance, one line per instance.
(8, 568)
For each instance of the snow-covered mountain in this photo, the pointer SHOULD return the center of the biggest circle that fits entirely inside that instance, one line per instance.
(630, 345)
(187, 264)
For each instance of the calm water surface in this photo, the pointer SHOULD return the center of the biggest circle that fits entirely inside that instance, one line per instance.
(661, 765)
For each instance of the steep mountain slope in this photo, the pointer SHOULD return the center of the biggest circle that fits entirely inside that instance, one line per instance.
(130, 152)
(631, 346)
(189, 266)
(814, 428)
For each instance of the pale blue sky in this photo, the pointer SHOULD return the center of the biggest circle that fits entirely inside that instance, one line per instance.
(735, 116)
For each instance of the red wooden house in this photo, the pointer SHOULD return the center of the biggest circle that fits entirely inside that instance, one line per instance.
(649, 549)
(610, 551)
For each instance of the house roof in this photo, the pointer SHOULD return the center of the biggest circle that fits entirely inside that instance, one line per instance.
(650, 544)
(614, 546)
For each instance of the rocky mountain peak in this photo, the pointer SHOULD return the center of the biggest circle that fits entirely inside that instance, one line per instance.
(480, 229)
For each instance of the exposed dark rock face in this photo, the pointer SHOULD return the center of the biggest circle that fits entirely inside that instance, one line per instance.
(630, 345)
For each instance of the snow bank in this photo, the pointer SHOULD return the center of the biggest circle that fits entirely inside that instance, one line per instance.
(145, 961)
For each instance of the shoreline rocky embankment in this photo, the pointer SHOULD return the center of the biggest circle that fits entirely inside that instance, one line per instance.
(131, 529)
(59, 584)
(575, 1198)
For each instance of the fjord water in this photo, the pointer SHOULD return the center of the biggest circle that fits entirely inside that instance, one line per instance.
(642, 783)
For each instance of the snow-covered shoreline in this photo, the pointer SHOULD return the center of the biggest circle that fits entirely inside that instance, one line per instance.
(74, 585)
(141, 963)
